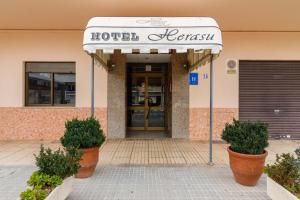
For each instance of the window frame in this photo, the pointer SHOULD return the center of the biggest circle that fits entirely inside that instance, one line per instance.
(51, 104)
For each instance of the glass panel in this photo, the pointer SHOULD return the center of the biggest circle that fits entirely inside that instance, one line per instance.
(39, 88)
(56, 67)
(157, 68)
(136, 91)
(155, 92)
(138, 67)
(64, 89)
(136, 118)
(156, 118)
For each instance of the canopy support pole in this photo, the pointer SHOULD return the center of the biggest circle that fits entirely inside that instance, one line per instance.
(211, 111)
(92, 85)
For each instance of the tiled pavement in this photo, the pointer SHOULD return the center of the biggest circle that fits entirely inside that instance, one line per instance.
(13, 180)
(165, 183)
(115, 182)
(141, 152)
(168, 151)
(142, 169)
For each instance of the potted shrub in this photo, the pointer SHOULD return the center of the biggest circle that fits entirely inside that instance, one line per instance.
(54, 178)
(86, 135)
(247, 153)
(283, 181)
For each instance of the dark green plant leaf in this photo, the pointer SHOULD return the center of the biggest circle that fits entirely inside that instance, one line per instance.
(83, 134)
(59, 163)
(246, 137)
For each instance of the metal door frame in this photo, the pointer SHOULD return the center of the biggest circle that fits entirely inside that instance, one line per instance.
(146, 127)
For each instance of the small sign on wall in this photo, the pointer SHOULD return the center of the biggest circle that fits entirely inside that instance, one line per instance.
(148, 68)
(193, 78)
(231, 67)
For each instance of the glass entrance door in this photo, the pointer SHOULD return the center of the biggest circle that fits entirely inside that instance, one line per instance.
(146, 102)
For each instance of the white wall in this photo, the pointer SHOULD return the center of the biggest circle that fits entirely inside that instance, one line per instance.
(242, 46)
(16, 47)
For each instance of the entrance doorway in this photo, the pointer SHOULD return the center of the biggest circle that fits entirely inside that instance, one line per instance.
(147, 99)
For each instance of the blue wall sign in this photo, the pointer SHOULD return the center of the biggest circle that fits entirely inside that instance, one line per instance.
(193, 78)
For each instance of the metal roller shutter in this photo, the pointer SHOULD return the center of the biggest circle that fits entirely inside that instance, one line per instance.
(270, 92)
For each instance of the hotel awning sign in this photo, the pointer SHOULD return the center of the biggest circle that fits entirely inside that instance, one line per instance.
(147, 33)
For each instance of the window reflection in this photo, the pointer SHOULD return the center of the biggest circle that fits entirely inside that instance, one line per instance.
(137, 91)
(50, 83)
(39, 88)
(64, 88)
(156, 118)
(136, 118)
(155, 92)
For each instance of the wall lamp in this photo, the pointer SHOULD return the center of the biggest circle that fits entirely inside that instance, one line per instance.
(111, 65)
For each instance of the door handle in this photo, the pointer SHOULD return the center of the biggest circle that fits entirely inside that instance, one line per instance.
(149, 107)
(276, 111)
(148, 113)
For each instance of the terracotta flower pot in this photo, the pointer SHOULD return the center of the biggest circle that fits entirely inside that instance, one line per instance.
(246, 168)
(88, 162)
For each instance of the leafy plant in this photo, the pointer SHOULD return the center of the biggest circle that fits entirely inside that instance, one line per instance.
(286, 171)
(246, 137)
(83, 134)
(59, 163)
(53, 166)
(41, 185)
(34, 194)
(44, 181)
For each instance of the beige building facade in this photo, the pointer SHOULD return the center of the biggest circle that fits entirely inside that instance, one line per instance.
(187, 108)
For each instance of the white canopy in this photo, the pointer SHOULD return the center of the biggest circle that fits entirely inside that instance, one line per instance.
(200, 37)
(147, 34)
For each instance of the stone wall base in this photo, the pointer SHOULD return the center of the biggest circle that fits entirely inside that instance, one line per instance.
(36, 123)
(199, 122)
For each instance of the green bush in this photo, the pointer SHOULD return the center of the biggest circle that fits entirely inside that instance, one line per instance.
(59, 163)
(34, 194)
(246, 137)
(41, 185)
(53, 166)
(83, 134)
(45, 181)
(286, 171)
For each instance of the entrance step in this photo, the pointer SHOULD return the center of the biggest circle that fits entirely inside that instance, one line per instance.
(146, 135)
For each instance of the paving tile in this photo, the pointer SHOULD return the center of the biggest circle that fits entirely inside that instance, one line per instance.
(13, 180)
(136, 152)
(158, 182)
(143, 169)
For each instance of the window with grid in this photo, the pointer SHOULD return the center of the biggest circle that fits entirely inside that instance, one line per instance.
(50, 84)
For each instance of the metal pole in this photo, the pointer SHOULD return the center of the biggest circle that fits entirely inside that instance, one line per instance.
(92, 85)
(211, 111)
